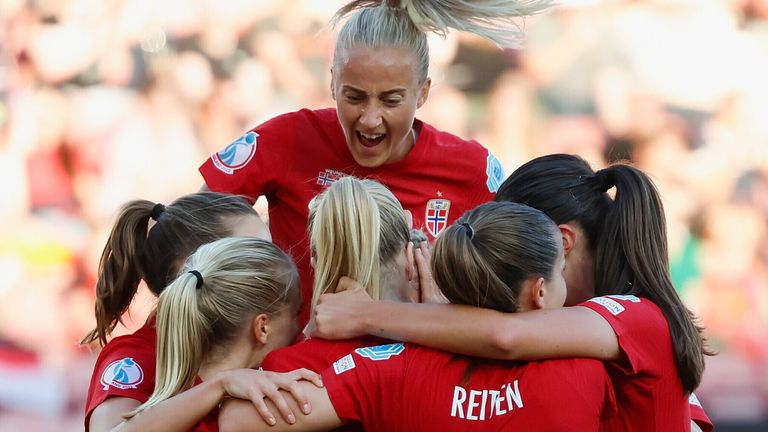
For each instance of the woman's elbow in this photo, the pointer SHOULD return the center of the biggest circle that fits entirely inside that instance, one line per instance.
(505, 344)
(229, 420)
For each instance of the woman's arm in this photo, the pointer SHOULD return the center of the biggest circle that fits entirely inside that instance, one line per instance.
(239, 416)
(110, 413)
(542, 334)
(184, 410)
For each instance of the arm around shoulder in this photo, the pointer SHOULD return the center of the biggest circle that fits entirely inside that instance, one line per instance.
(240, 416)
(542, 334)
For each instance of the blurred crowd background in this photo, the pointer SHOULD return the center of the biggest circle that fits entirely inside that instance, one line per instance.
(103, 101)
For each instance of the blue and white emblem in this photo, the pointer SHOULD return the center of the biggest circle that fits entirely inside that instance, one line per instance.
(123, 374)
(381, 352)
(237, 154)
(494, 173)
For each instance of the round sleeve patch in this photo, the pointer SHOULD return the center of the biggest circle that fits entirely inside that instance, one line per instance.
(122, 374)
(494, 172)
(237, 154)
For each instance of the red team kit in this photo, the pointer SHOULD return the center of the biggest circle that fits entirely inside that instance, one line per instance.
(392, 386)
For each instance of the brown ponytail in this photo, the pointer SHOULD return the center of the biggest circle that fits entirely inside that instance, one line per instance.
(136, 252)
(633, 258)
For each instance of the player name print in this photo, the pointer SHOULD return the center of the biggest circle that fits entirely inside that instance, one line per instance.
(483, 404)
(123, 374)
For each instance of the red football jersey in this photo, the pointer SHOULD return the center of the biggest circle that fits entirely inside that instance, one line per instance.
(314, 354)
(408, 387)
(649, 394)
(293, 157)
(699, 415)
(125, 368)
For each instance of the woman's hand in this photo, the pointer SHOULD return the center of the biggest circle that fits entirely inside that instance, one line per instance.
(341, 315)
(255, 385)
(429, 292)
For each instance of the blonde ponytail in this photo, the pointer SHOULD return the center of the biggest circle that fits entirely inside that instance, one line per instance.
(198, 317)
(356, 227)
(181, 329)
(404, 24)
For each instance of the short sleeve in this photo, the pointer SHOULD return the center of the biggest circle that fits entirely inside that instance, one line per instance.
(640, 327)
(124, 368)
(251, 164)
(698, 414)
(364, 384)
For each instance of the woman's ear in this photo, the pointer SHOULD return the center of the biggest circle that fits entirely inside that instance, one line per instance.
(569, 237)
(333, 85)
(532, 294)
(410, 261)
(424, 92)
(260, 328)
(408, 218)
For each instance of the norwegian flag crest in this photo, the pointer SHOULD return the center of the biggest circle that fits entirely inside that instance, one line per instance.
(325, 178)
(436, 217)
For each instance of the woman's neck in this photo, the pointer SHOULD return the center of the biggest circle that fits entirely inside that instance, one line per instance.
(235, 357)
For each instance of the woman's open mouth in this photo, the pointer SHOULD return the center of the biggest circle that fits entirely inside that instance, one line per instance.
(370, 140)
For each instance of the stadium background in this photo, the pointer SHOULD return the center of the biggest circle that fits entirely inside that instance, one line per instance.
(106, 101)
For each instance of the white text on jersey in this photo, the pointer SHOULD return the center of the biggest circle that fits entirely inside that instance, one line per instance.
(479, 402)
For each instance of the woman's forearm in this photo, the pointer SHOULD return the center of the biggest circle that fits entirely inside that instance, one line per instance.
(180, 412)
(455, 328)
(468, 330)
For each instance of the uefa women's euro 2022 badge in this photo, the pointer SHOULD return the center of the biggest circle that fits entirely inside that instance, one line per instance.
(123, 374)
(237, 154)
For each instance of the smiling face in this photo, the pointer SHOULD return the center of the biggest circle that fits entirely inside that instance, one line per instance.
(377, 92)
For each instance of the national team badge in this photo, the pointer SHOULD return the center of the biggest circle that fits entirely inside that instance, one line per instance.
(436, 217)
(123, 374)
(325, 178)
(237, 154)
(381, 352)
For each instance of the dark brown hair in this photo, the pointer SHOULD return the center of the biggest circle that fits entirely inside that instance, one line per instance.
(627, 236)
(135, 251)
(483, 258)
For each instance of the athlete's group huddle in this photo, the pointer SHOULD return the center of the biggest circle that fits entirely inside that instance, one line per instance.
(464, 331)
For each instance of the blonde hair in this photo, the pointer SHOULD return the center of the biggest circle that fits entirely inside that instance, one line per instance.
(404, 23)
(197, 318)
(356, 227)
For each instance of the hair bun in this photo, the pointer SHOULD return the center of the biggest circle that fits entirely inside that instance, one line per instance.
(604, 179)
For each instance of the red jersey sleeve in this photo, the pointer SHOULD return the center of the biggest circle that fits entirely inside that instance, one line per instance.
(355, 382)
(124, 368)
(640, 328)
(698, 414)
(250, 165)
(314, 354)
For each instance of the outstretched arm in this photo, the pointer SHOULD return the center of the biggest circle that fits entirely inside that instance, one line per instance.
(542, 334)
(240, 416)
